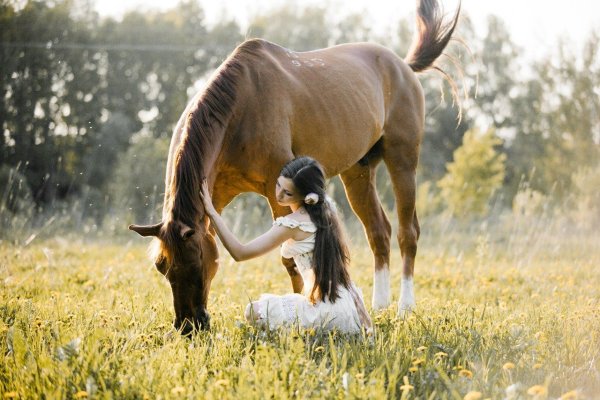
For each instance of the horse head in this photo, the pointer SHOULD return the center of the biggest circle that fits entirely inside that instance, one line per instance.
(187, 257)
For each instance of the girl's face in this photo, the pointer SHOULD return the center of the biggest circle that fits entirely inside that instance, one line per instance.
(286, 193)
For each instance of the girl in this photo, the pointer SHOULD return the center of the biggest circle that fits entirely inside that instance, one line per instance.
(312, 236)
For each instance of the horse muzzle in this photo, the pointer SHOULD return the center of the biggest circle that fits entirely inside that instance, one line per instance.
(187, 326)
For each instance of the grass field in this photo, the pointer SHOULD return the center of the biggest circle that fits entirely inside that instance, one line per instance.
(93, 320)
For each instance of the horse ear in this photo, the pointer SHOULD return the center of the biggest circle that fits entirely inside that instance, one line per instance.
(186, 232)
(146, 230)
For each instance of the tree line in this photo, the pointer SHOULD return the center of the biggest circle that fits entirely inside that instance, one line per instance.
(88, 105)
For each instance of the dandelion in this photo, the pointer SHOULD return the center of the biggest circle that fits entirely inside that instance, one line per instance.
(10, 395)
(465, 373)
(413, 369)
(81, 394)
(178, 390)
(537, 390)
(571, 395)
(473, 396)
(421, 349)
(418, 361)
(441, 354)
(319, 349)
(508, 366)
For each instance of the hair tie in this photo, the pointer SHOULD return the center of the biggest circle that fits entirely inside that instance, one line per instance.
(311, 198)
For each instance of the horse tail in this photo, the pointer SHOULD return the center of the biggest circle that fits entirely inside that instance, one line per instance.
(432, 35)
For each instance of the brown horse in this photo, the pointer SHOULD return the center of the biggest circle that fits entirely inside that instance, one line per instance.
(348, 106)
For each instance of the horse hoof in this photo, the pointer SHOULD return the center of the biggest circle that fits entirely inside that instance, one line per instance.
(380, 304)
(405, 310)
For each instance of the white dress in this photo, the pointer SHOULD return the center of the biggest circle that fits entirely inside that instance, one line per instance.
(273, 311)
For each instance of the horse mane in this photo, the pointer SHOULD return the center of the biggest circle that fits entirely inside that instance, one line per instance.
(211, 113)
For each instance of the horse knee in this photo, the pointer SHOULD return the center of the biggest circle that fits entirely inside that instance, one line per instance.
(417, 226)
(381, 246)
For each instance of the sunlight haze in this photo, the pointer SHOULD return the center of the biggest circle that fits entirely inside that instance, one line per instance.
(534, 25)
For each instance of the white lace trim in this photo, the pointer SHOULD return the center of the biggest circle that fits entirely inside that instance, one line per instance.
(289, 309)
(306, 226)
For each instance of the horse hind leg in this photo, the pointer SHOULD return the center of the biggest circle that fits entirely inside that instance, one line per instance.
(359, 183)
(401, 156)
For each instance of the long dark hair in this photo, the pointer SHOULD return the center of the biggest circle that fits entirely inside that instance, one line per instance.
(330, 259)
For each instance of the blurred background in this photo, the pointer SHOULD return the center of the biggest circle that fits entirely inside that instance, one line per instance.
(91, 90)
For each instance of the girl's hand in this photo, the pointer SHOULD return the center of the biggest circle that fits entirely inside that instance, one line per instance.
(206, 199)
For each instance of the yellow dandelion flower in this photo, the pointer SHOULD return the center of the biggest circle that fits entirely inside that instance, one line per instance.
(413, 369)
(319, 349)
(421, 348)
(473, 396)
(508, 366)
(178, 390)
(441, 354)
(465, 373)
(537, 390)
(360, 376)
(10, 395)
(312, 332)
(418, 361)
(222, 383)
(571, 395)
(537, 366)
(81, 394)
(407, 387)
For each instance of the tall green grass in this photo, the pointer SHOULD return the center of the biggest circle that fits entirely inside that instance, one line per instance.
(496, 318)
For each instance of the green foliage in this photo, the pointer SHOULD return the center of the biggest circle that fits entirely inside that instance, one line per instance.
(586, 182)
(556, 121)
(298, 28)
(138, 184)
(16, 202)
(76, 88)
(68, 77)
(474, 176)
(84, 320)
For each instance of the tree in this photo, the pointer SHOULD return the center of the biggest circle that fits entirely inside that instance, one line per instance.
(474, 176)
(557, 121)
(138, 184)
(297, 29)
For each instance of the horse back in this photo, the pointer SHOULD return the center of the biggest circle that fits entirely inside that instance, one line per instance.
(331, 103)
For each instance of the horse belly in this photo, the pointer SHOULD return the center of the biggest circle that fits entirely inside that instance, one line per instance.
(338, 128)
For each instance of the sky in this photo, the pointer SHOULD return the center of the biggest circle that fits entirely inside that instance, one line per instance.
(535, 25)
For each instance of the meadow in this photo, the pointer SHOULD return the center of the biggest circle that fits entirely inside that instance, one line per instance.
(513, 316)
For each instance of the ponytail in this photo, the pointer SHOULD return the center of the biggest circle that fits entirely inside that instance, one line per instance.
(331, 256)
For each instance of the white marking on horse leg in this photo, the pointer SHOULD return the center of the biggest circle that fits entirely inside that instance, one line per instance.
(407, 301)
(381, 288)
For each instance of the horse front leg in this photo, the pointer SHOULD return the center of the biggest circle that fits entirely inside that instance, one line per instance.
(295, 276)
